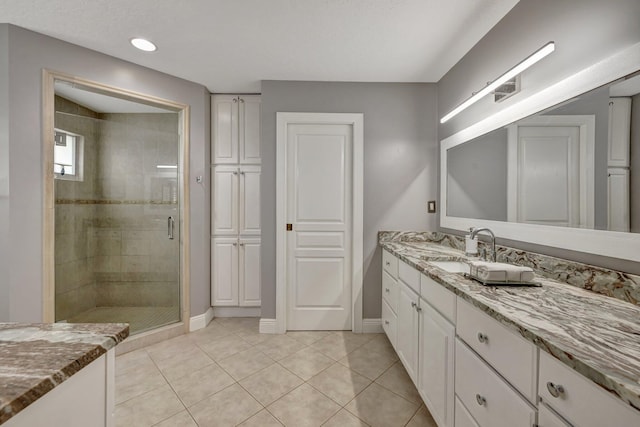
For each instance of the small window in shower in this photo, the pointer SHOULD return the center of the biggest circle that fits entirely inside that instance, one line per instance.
(67, 155)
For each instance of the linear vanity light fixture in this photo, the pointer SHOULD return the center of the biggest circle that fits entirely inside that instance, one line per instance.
(528, 62)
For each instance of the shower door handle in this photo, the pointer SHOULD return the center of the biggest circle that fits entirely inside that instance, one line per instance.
(170, 224)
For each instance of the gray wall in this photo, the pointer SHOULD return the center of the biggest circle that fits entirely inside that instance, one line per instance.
(634, 190)
(28, 54)
(585, 31)
(400, 161)
(5, 293)
(477, 178)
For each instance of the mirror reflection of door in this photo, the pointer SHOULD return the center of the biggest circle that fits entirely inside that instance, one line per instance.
(550, 171)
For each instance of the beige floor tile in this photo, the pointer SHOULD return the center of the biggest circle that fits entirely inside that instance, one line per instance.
(380, 344)
(335, 346)
(304, 406)
(229, 407)
(422, 418)
(357, 339)
(280, 346)
(262, 419)
(306, 363)
(181, 364)
(224, 347)
(308, 337)
(381, 408)
(344, 419)
(132, 383)
(367, 362)
(245, 363)
(181, 419)
(211, 332)
(270, 384)
(133, 361)
(397, 380)
(251, 336)
(339, 383)
(169, 348)
(149, 408)
(198, 385)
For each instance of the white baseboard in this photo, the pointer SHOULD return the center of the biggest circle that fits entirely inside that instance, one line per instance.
(372, 326)
(268, 326)
(201, 321)
(237, 311)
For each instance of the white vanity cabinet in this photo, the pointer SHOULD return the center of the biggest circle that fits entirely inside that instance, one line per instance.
(408, 329)
(579, 400)
(389, 296)
(235, 127)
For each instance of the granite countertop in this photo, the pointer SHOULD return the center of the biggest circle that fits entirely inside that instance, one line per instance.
(596, 335)
(35, 358)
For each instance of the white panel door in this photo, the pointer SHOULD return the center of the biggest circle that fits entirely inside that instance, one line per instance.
(224, 271)
(407, 330)
(224, 129)
(548, 175)
(618, 199)
(249, 200)
(249, 281)
(319, 183)
(249, 138)
(436, 370)
(224, 201)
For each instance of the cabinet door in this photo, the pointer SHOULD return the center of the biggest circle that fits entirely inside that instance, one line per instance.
(407, 329)
(249, 140)
(224, 201)
(618, 199)
(436, 370)
(249, 272)
(224, 131)
(249, 200)
(224, 271)
(619, 132)
(548, 418)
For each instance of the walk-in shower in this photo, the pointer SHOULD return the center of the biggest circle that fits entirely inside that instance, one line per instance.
(117, 207)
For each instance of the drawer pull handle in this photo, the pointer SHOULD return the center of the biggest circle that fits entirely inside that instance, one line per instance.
(386, 290)
(386, 322)
(481, 400)
(418, 309)
(555, 390)
(387, 263)
(482, 337)
(413, 304)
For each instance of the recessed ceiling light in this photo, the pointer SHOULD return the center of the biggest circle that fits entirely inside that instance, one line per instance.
(143, 44)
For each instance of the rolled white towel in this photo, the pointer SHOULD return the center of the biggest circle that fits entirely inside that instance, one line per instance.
(501, 272)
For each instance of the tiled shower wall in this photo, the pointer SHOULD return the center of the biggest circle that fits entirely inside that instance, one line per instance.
(112, 247)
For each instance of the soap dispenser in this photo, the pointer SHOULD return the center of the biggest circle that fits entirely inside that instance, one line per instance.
(470, 245)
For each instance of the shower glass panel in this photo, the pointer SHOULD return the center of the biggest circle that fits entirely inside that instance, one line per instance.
(117, 207)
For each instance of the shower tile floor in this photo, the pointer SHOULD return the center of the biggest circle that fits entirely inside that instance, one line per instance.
(140, 319)
(228, 374)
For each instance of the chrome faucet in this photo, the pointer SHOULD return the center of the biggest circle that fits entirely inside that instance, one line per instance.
(474, 233)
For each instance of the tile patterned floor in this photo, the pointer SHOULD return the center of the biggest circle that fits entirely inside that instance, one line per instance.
(228, 374)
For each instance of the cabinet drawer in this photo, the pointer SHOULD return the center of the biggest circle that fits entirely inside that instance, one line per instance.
(507, 352)
(389, 321)
(548, 418)
(581, 401)
(439, 297)
(489, 399)
(390, 263)
(463, 417)
(390, 291)
(409, 275)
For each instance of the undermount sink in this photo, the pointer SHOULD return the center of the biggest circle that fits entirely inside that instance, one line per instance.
(451, 266)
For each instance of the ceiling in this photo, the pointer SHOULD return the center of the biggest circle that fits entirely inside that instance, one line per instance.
(230, 46)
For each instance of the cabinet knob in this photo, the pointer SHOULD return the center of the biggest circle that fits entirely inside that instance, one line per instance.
(241, 100)
(235, 100)
(413, 304)
(235, 244)
(481, 400)
(241, 244)
(387, 263)
(482, 337)
(418, 309)
(555, 390)
(386, 290)
(386, 322)
(235, 172)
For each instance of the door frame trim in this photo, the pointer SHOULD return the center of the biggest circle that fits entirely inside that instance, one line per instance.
(356, 120)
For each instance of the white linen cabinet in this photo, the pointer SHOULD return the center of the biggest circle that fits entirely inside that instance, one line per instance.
(235, 199)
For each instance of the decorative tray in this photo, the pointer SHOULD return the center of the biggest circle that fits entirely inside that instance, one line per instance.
(502, 283)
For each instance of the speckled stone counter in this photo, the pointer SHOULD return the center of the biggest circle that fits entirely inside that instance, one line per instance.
(35, 358)
(596, 335)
